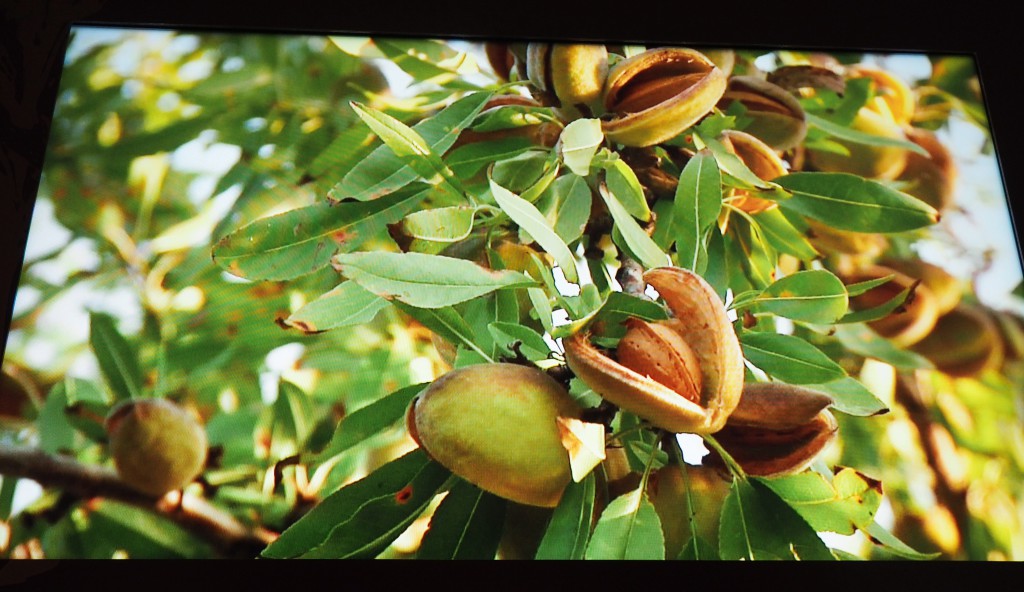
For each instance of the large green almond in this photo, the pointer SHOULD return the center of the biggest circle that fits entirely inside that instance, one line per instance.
(655, 95)
(496, 426)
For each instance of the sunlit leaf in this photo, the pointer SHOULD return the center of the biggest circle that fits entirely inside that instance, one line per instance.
(529, 218)
(629, 528)
(383, 172)
(849, 202)
(301, 241)
(846, 504)
(789, 359)
(622, 182)
(636, 240)
(698, 201)
(346, 305)
(851, 397)
(814, 296)
(858, 137)
(424, 281)
(580, 141)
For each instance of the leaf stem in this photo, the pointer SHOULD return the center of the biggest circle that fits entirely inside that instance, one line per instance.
(733, 466)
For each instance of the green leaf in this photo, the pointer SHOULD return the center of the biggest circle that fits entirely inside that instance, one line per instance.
(637, 241)
(522, 172)
(888, 541)
(698, 549)
(55, 430)
(419, 57)
(569, 529)
(533, 344)
(566, 205)
(862, 287)
(789, 359)
(861, 340)
(412, 149)
(757, 524)
(346, 305)
(877, 312)
(361, 519)
(383, 172)
(448, 324)
(368, 421)
(849, 202)
(580, 141)
(542, 306)
(858, 137)
(629, 528)
(302, 240)
(466, 160)
(615, 309)
(116, 357)
(731, 164)
(145, 534)
(814, 296)
(424, 281)
(622, 182)
(466, 525)
(292, 420)
(698, 202)
(444, 225)
(782, 235)
(851, 397)
(846, 504)
(529, 218)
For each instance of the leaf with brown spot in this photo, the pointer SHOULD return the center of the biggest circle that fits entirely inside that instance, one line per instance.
(846, 504)
(361, 519)
(346, 305)
(270, 249)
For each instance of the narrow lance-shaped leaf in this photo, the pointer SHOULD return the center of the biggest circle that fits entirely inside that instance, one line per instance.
(579, 143)
(412, 149)
(857, 137)
(569, 529)
(303, 240)
(849, 202)
(698, 201)
(757, 524)
(813, 296)
(638, 242)
(382, 172)
(622, 182)
(782, 235)
(467, 525)
(117, 360)
(424, 281)
(789, 359)
(629, 528)
(529, 218)
(881, 311)
(369, 421)
(448, 324)
(861, 340)
(731, 164)
(361, 519)
(346, 305)
(851, 397)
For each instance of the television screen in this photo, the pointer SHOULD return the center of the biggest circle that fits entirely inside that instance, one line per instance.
(339, 296)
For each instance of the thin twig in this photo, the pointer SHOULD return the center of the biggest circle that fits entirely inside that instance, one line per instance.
(194, 513)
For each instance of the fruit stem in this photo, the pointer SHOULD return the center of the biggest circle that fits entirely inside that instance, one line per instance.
(730, 462)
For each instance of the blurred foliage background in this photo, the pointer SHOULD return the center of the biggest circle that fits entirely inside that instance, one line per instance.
(164, 142)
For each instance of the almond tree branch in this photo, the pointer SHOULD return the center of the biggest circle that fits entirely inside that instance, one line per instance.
(194, 513)
(953, 497)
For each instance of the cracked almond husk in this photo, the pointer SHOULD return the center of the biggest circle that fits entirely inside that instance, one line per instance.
(761, 160)
(655, 95)
(777, 119)
(777, 429)
(700, 320)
